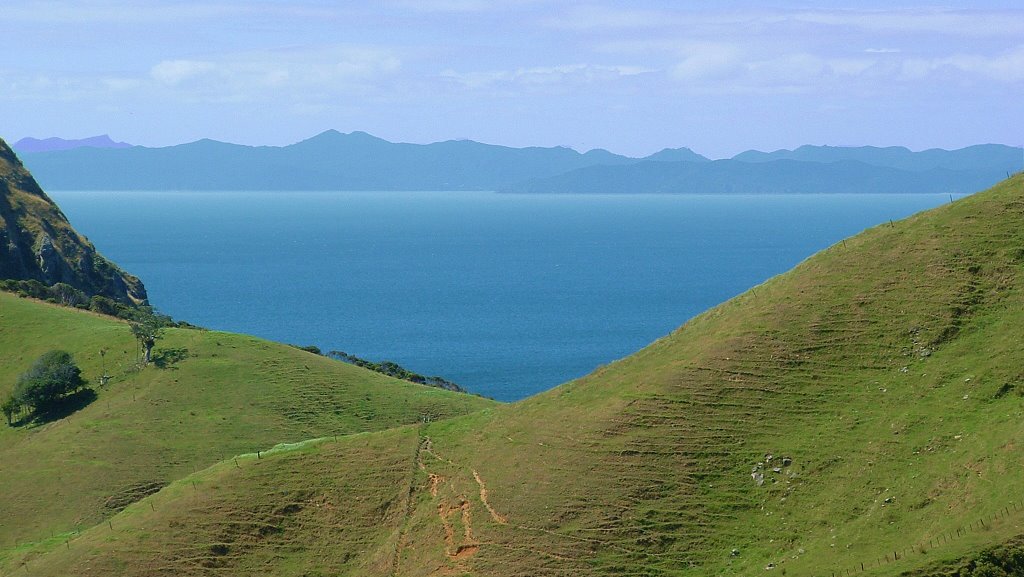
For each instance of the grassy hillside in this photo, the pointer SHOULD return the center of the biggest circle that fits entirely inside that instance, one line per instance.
(883, 376)
(212, 395)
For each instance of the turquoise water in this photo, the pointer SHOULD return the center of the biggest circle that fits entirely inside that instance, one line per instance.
(507, 295)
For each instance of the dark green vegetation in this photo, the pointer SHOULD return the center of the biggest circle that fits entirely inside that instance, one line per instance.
(392, 369)
(38, 244)
(1003, 560)
(388, 368)
(50, 381)
(861, 415)
(359, 161)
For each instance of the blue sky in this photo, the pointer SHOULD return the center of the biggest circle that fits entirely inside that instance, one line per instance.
(633, 77)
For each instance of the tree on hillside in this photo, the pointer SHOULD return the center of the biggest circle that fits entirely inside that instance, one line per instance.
(147, 331)
(50, 378)
(10, 407)
(68, 295)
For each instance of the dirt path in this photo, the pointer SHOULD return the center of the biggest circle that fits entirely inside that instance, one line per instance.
(435, 482)
(402, 541)
(483, 497)
(458, 552)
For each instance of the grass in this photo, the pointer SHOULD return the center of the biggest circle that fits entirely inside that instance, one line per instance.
(885, 370)
(218, 395)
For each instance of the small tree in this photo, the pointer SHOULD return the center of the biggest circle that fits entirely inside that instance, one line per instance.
(9, 408)
(147, 331)
(51, 377)
(68, 295)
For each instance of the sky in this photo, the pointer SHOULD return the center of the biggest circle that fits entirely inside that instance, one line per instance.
(632, 77)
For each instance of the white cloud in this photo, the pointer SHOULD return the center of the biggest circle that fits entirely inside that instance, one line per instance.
(540, 76)
(707, 61)
(119, 84)
(257, 75)
(1007, 67)
(603, 17)
(985, 23)
(174, 72)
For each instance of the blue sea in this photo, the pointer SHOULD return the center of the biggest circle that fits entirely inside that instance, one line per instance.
(507, 295)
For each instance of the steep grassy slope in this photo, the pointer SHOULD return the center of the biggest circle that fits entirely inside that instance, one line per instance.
(883, 376)
(216, 395)
(887, 367)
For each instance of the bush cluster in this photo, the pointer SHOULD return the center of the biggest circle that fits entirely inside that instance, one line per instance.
(51, 378)
(397, 371)
(67, 295)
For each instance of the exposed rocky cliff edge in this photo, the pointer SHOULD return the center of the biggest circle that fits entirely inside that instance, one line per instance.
(37, 241)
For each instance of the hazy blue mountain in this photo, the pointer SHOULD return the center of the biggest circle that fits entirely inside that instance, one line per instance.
(328, 161)
(359, 161)
(777, 176)
(29, 144)
(996, 157)
(677, 155)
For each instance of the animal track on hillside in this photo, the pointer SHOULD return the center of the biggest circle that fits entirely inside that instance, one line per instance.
(483, 497)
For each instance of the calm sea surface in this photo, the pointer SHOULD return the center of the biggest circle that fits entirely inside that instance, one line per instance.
(507, 295)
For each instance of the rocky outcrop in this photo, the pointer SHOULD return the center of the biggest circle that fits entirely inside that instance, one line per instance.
(38, 243)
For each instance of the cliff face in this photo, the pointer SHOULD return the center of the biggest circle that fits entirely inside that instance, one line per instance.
(37, 242)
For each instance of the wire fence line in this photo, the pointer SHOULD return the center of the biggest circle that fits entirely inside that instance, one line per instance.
(982, 523)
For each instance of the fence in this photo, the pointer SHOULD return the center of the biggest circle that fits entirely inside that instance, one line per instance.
(982, 523)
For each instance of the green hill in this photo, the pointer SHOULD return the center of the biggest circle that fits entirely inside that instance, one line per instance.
(209, 396)
(859, 415)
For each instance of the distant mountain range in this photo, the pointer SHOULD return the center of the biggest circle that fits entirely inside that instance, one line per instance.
(359, 161)
(30, 144)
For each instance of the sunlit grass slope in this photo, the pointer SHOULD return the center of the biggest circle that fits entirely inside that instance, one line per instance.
(217, 395)
(884, 376)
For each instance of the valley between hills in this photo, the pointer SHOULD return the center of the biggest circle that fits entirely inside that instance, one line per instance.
(858, 415)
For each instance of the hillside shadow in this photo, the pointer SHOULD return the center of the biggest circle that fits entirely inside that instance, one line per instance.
(167, 358)
(57, 410)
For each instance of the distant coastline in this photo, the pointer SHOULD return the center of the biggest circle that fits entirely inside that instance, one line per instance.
(358, 161)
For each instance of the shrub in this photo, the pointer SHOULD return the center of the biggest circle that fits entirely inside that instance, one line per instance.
(51, 377)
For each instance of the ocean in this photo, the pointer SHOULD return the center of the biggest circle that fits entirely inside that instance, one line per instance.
(506, 295)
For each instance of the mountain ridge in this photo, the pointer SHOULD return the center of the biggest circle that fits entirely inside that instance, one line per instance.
(777, 176)
(333, 160)
(979, 156)
(54, 143)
